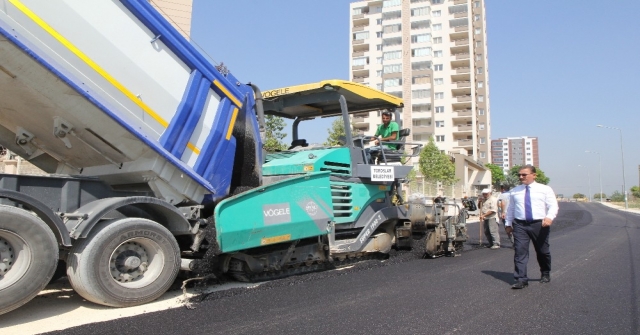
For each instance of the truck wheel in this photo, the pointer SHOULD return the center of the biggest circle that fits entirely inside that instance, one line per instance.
(28, 257)
(124, 262)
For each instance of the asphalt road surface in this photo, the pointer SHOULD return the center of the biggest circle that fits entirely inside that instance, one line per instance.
(594, 289)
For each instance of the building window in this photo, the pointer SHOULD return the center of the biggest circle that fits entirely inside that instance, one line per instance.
(437, 67)
(479, 70)
(528, 154)
(481, 126)
(419, 66)
(435, 2)
(479, 57)
(391, 3)
(483, 140)
(360, 61)
(379, 21)
(358, 11)
(476, 4)
(420, 38)
(476, 17)
(481, 98)
(379, 60)
(379, 34)
(392, 28)
(478, 31)
(419, 52)
(363, 35)
(379, 87)
(482, 154)
(439, 138)
(392, 55)
(420, 94)
(438, 81)
(436, 13)
(481, 112)
(417, 108)
(420, 24)
(392, 68)
(439, 95)
(420, 11)
(420, 80)
(480, 84)
(440, 109)
(379, 73)
(392, 15)
(437, 26)
(505, 156)
(437, 53)
(439, 124)
(379, 47)
(393, 82)
(437, 40)
(478, 44)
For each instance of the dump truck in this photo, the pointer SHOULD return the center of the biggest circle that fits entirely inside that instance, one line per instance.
(156, 164)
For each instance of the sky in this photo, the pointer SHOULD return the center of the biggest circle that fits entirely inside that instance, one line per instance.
(555, 72)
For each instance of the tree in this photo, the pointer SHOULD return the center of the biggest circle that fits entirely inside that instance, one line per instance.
(336, 133)
(436, 166)
(579, 196)
(540, 176)
(497, 174)
(274, 135)
(599, 195)
(616, 196)
(635, 191)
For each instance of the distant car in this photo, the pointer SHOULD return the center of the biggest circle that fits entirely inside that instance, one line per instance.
(607, 200)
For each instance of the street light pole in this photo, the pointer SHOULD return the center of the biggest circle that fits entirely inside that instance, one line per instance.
(600, 167)
(588, 177)
(624, 184)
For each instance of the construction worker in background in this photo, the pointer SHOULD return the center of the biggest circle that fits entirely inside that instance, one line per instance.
(488, 213)
(503, 203)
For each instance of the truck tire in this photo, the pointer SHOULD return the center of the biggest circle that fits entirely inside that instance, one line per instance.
(124, 262)
(28, 257)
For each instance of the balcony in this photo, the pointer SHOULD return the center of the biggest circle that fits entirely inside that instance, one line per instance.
(358, 28)
(357, 16)
(462, 84)
(462, 128)
(458, 42)
(459, 15)
(420, 129)
(363, 126)
(360, 79)
(459, 2)
(461, 29)
(357, 54)
(461, 70)
(357, 119)
(462, 56)
(465, 143)
(357, 42)
(462, 113)
(463, 98)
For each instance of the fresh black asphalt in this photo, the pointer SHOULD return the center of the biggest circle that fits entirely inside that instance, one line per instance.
(595, 289)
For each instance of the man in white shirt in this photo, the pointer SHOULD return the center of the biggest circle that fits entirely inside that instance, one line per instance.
(532, 208)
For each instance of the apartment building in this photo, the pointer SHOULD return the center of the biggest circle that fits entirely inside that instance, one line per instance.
(512, 151)
(432, 54)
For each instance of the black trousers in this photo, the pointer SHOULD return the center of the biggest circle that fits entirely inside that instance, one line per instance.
(523, 233)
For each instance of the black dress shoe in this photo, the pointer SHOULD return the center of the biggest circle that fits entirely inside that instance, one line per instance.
(519, 285)
(545, 279)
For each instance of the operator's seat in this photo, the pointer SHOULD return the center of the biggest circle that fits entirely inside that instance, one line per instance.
(396, 155)
(298, 143)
